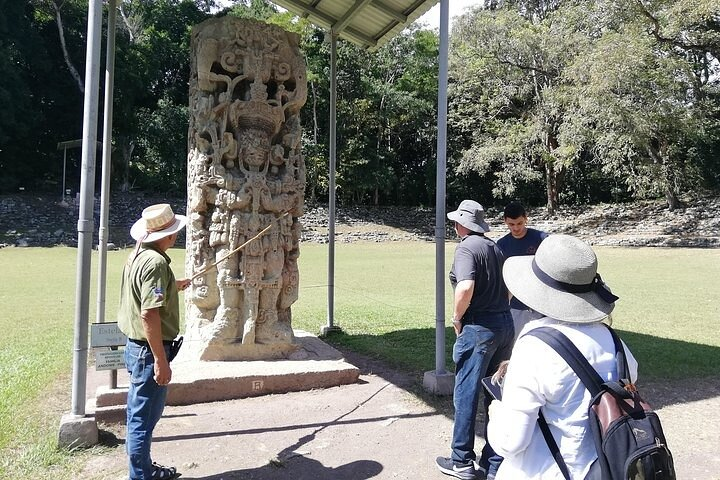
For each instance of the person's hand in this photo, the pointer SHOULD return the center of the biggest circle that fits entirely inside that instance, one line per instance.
(499, 376)
(182, 284)
(457, 325)
(163, 372)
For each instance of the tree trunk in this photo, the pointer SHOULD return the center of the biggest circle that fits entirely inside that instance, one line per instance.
(552, 174)
(66, 55)
(658, 153)
(127, 146)
(133, 23)
(673, 201)
(552, 187)
(314, 110)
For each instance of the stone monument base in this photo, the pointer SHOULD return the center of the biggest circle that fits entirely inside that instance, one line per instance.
(313, 364)
(236, 352)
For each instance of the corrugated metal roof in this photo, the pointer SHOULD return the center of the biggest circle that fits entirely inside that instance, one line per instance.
(367, 23)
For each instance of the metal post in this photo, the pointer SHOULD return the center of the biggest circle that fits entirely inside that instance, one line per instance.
(106, 166)
(64, 163)
(440, 194)
(331, 193)
(85, 216)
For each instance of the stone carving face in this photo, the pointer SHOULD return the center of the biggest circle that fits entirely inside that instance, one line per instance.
(245, 173)
(256, 148)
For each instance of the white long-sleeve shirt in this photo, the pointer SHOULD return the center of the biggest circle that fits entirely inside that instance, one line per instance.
(538, 377)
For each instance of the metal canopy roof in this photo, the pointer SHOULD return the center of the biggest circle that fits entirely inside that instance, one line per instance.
(366, 23)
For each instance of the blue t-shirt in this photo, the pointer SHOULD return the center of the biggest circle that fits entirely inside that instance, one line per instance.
(514, 247)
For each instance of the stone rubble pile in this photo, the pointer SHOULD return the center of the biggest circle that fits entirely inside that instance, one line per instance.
(31, 220)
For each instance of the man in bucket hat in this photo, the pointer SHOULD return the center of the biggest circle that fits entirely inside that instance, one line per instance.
(484, 328)
(560, 283)
(149, 316)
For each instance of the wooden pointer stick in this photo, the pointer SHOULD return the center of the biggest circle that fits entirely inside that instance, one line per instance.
(262, 232)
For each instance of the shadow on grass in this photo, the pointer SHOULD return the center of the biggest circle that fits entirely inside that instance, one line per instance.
(670, 371)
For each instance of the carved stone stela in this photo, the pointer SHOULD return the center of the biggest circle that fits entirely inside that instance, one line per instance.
(245, 170)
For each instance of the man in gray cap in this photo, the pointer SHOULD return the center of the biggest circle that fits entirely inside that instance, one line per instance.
(484, 328)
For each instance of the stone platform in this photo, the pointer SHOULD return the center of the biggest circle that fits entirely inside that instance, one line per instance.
(313, 365)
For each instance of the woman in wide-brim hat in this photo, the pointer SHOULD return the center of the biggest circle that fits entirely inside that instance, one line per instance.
(561, 284)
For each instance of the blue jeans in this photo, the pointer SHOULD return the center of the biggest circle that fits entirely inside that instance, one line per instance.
(145, 404)
(477, 353)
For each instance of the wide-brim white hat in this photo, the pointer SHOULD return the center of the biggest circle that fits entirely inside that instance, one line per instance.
(560, 281)
(158, 221)
(471, 215)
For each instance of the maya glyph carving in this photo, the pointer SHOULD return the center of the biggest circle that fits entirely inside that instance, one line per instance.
(245, 171)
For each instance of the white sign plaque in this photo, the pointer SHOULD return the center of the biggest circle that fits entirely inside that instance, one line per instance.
(106, 335)
(109, 359)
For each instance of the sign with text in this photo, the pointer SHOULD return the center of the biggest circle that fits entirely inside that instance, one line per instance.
(109, 359)
(106, 335)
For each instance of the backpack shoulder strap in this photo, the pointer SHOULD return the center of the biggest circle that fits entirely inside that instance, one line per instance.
(620, 358)
(570, 353)
(552, 445)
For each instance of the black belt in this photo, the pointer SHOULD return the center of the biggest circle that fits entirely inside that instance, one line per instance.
(143, 343)
(478, 321)
(479, 318)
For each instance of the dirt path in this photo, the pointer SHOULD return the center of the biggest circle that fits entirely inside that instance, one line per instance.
(383, 427)
(690, 414)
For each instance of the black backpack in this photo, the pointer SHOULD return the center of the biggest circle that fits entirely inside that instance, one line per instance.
(628, 437)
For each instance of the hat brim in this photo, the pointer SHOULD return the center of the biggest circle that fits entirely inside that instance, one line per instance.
(481, 227)
(560, 305)
(138, 230)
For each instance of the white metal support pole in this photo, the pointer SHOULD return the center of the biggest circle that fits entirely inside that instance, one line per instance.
(440, 195)
(439, 381)
(106, 166)
(85, 217)
(64, 168)
(331, 192)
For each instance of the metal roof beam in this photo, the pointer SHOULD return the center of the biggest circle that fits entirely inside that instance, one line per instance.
(340, 25)
(329, 21)
(389, 11)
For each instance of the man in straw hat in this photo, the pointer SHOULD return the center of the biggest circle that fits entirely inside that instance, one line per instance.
(560, 282)
(149, 316)
(481, 319)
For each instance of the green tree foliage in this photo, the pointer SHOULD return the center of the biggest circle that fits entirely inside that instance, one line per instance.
(151, 94)
(386, 120)
(17, 119)
(42, 104)
(588, 93)
(550, 101)
(512, 66)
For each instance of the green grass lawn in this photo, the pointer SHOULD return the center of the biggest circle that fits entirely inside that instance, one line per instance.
(384, 302)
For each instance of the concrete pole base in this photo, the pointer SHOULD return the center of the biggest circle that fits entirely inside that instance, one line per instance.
(326, 330)
(77, 432)
(441, 384)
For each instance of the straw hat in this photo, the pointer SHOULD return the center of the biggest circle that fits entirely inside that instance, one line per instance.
(158, 221)
(470, 214)
(560, 281)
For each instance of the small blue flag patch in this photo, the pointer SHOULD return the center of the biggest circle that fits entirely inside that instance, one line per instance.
(158, 292)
